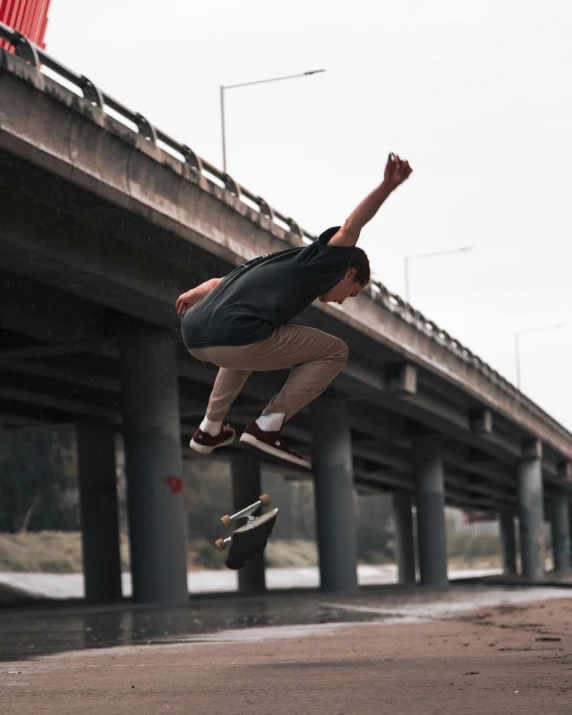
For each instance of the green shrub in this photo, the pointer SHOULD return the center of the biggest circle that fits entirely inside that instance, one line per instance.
(291, 553)
(204, 553)
(47, 552)
(468, 547)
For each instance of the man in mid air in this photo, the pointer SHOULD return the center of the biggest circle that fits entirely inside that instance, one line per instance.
(241, 324)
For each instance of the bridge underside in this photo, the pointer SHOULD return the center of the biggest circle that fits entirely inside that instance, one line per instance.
(78, 272)
(101, 228)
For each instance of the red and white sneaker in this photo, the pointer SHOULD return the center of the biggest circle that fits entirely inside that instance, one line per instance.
(272, 443)
(204, 442)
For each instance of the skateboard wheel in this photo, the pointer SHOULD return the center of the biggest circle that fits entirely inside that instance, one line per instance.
(226, 520)
(219, 543)
(265, 499)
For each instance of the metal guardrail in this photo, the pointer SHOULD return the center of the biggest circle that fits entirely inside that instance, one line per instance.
(36, 57)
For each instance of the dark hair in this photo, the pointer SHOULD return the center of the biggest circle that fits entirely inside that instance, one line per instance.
(360, 262)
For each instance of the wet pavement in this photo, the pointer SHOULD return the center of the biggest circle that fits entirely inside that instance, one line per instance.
(55, 627)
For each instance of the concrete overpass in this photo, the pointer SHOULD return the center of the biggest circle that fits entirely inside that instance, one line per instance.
(105, 220)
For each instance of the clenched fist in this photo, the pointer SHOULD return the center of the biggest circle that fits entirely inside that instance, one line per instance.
(396, 171)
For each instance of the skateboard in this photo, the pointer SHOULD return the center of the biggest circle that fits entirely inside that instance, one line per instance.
(248, 540)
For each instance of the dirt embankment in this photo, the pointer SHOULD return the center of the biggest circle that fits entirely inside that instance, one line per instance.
(60, 552)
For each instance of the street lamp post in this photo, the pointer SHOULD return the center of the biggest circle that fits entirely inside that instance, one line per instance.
(428, 255)
(517, 335)
(247, 84)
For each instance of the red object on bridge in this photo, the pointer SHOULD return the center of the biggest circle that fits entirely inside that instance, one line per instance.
(30, 17)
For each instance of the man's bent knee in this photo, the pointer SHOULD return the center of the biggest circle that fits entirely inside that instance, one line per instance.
(341, 351)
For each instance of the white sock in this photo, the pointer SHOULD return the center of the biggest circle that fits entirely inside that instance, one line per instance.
(271, 422)
(213, 428)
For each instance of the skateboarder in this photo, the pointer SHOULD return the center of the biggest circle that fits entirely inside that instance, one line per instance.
(241, 323)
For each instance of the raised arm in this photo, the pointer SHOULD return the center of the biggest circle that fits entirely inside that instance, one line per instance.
(396, 171)
(191, 297)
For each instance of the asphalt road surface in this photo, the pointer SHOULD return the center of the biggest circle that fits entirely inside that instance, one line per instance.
(466, 650)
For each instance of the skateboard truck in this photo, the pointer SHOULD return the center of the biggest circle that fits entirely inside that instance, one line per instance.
(246, 513)
(250, 539)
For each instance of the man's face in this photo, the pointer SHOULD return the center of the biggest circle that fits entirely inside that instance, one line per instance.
(346, 288)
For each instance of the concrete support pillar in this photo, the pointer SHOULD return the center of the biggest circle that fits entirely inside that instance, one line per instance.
(560, 523)
(154, 468)
(404, 536)
(430, 500)
(246, 488)
(98, 510)
(334, 494)
(570, 532)
(508, 541)
(531, 517)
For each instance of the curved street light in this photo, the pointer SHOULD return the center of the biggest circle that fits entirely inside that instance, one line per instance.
(248, 84)
(428, 255)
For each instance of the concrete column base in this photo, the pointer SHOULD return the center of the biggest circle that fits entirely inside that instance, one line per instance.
(333, 481)
(531, 519)
(404, 537)
(508, 541)
(154, 466)
(98, 510)
(560, 522)
(430, 501)
(246, 488)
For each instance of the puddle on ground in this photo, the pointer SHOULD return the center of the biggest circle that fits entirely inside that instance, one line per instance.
(33, 632)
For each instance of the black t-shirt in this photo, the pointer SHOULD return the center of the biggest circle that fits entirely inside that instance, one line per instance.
(264, 293)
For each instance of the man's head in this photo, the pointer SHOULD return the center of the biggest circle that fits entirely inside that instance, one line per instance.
(356, 279)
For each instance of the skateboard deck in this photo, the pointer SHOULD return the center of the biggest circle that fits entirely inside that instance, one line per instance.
(249, 540)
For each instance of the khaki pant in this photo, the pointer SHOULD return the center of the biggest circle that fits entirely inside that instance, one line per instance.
(314, 356)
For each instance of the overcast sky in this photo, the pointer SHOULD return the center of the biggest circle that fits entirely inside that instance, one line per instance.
(477, 95)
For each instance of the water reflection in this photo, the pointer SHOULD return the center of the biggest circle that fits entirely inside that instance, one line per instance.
(29, 632)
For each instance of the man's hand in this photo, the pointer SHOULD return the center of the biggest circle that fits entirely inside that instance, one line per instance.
(396, 171)
(191, 297)
(185, 301)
